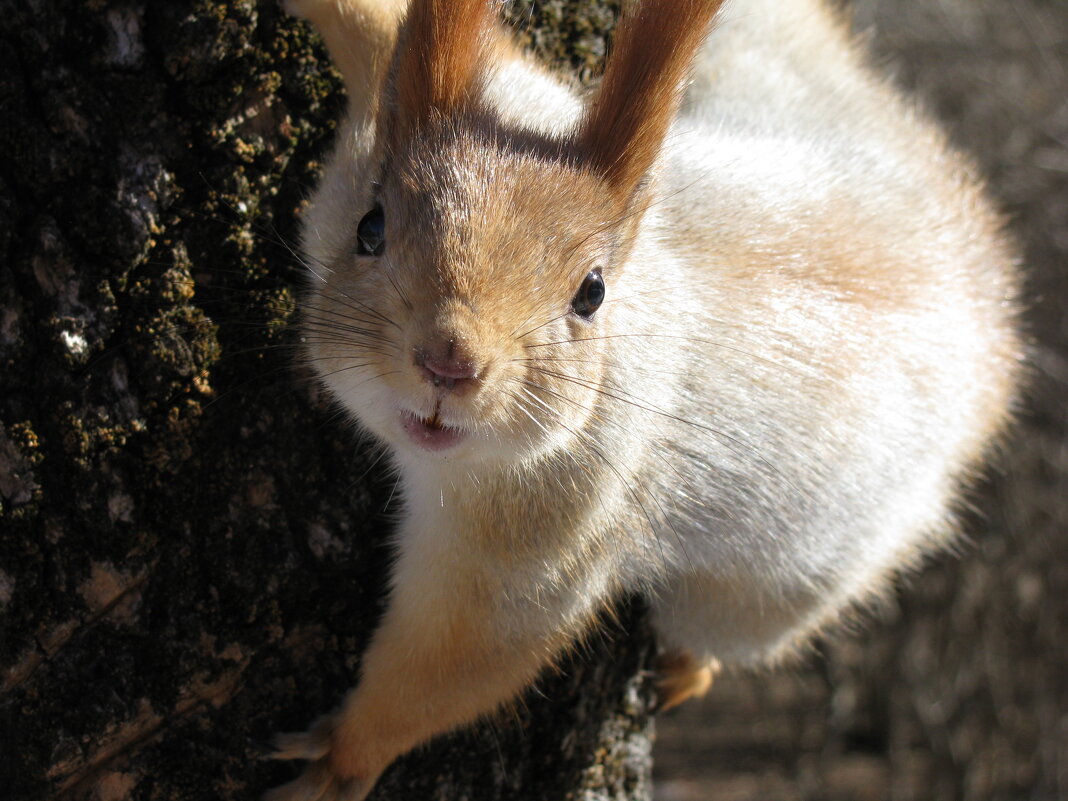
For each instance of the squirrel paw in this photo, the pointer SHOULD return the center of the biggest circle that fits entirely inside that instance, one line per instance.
(311, 744)
(321, 780)
(679, 676)
(319, 783)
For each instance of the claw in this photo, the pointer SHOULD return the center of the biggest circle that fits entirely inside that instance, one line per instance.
(310, 745)
(318, 783)
(312, 785)
(299, 745)
(680, 676)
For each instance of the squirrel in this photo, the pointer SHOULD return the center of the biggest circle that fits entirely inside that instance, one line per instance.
(733, 331)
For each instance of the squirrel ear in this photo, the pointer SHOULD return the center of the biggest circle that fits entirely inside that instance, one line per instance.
(440, 51)
(624, 127)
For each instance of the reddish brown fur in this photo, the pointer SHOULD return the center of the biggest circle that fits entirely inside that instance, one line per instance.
(641, 90)
(444, 42)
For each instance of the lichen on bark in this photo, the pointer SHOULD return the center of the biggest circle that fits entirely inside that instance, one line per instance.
(193, 544)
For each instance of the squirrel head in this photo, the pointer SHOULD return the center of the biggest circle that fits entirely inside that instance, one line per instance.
(468, 309)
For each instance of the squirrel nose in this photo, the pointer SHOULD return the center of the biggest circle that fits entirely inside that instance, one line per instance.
(449, 372)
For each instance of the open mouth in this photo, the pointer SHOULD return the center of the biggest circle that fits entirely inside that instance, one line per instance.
(429, 432)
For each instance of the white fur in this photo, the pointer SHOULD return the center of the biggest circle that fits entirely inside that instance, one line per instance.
(799, 491)
(809, 345)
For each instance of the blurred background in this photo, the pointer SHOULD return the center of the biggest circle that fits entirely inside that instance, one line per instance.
(960, 691)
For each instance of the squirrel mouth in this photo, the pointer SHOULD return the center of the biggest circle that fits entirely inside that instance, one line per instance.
(429, 432)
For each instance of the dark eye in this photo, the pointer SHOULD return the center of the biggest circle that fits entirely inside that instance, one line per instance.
(371, 233)
(590, 295)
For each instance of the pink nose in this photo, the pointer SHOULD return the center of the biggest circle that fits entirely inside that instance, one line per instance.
(448, 373)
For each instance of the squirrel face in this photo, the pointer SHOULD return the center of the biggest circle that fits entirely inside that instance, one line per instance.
(465, 323)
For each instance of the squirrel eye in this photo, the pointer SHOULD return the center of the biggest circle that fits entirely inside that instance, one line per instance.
(590, 295)
(371, 233)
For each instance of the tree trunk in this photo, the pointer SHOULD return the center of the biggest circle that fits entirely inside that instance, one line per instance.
(194, 544)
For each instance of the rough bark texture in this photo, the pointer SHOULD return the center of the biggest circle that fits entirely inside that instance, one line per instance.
(193, 544)
(961, 692)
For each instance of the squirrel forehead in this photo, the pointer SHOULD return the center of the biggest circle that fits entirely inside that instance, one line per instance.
(497, 181)
(473, 202)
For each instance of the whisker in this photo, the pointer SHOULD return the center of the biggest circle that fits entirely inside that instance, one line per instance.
(389, 275)
(693, 340)
(726, 439)
(341, 297)
(599, 363)
(592, 445)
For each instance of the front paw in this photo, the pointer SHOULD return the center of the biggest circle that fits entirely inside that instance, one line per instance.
(319, 783)
(679, 676)
(334, 772)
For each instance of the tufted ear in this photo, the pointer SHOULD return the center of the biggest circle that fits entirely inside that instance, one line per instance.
(625, 125)
(441, 51)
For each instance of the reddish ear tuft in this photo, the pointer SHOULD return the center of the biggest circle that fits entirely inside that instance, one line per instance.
(640, 93)
(443, 44)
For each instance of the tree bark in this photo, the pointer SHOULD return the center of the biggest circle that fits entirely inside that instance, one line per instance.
(193, 543)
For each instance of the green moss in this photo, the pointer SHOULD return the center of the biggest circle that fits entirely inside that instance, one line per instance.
(183, 448)
(571, 33)
(20, 461)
